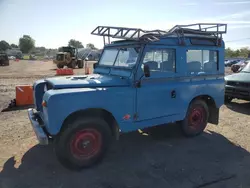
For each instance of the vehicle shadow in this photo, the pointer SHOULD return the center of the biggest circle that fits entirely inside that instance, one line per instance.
(243, 108)
(162, 157)
(16, 108)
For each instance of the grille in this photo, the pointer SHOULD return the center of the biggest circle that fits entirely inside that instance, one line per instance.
(238, 92)
(239, 84)
(60, 57)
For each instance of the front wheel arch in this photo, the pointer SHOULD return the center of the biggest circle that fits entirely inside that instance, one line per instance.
(94, 112)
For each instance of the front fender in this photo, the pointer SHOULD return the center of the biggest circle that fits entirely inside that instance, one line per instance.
(63, 102)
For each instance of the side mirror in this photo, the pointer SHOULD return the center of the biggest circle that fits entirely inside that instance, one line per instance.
(94, 65)
(146, 70)
(86, 59)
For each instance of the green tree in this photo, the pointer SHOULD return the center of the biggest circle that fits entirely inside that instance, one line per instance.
(236, 53)
(91, 46)
(26, 44)
(75, 43)
(4, 45)
(13, 46)
(244, 52)
(229, 52)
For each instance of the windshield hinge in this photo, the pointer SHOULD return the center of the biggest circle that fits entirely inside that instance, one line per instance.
(137, 84)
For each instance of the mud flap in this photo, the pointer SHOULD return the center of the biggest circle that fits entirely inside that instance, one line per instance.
(213, 115)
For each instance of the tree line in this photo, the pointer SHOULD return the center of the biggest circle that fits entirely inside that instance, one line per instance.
(239, 53)
(27, 45)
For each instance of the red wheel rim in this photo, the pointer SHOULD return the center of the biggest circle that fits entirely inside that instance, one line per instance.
(196, 117)
(85, 143)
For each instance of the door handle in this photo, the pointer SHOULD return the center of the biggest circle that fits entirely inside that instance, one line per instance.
(173, 94)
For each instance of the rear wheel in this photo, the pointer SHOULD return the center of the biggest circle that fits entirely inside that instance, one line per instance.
(83, 143)
(196, 118)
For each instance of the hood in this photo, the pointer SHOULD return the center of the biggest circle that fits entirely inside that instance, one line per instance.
(239, 77)
(94, 80)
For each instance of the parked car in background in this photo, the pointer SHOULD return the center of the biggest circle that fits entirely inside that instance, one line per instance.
(12, 57)
(32, 57)
(238, 66)
(229, 63)
(238, 85)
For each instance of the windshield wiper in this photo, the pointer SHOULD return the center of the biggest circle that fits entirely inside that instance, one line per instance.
(246, 71)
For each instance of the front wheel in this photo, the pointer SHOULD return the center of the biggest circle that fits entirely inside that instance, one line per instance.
(80, 64)
(196, 118)
(60, 66)
(72, 65)
(83, 143)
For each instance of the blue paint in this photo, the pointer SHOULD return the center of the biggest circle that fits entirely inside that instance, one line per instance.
(161, 98)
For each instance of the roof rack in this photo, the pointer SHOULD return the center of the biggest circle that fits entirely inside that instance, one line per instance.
(198, 30)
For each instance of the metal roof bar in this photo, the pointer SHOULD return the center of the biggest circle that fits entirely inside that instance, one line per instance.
(204, 29)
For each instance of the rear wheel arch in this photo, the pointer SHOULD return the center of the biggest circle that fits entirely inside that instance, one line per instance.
(213, 109)
(94, 112)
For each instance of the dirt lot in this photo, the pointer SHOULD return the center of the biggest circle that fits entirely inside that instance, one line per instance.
(218, 158)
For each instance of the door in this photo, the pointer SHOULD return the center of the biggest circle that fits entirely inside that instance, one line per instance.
(156, 95)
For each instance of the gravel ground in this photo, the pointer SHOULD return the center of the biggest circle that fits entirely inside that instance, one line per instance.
(161, 158)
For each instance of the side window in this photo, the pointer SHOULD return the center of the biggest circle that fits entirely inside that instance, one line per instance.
(160, 60)
(202, 60)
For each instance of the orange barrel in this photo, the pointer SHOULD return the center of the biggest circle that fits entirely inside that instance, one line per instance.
(24, 95)
(67, 71)
(58, 71)
(70, 72)
(87, 68)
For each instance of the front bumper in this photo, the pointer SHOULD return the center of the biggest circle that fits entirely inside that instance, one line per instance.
(40, 133)
(237, 92)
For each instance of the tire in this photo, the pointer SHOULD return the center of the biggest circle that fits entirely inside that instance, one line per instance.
(93, 132)
(60, 66)
(227, 99)
(196, 119)
(72, 65)
(80, 64)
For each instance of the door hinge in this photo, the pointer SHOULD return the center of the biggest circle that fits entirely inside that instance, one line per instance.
(135, 116)
(137, 84)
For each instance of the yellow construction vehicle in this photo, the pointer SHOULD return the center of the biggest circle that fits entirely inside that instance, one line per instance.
(68, 56)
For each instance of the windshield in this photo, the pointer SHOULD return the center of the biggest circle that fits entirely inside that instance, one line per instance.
(120, 57)
(246, 68)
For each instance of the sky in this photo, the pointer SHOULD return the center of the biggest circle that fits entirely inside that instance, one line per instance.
(53, 23)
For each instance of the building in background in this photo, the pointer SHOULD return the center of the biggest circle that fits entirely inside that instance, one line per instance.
(91, 54)
(16, 52)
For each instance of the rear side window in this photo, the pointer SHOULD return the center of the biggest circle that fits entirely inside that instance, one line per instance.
(160, 60)
(202, 60)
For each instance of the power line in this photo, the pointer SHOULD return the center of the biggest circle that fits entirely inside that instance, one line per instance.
(238, 40)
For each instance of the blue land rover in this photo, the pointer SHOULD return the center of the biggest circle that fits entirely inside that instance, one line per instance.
(144, 79)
